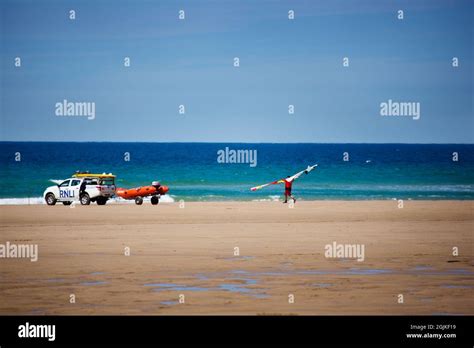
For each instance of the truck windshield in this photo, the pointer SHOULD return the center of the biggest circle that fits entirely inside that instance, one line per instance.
(108, 181)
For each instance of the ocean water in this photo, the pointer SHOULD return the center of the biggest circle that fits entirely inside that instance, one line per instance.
(191, 170)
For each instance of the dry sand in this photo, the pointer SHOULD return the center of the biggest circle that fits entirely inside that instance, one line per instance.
(190, 251)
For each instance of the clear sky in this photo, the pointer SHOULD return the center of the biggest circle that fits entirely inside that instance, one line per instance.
(282, 62)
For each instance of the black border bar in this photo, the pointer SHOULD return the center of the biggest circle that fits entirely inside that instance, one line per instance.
(226, 330)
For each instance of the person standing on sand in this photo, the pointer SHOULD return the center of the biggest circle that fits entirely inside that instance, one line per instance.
(82, 188)
(288, 181)
(288, 184)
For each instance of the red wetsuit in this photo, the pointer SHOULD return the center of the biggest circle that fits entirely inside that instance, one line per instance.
(288, 187)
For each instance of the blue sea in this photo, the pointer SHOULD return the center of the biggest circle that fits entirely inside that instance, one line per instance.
(191, 170)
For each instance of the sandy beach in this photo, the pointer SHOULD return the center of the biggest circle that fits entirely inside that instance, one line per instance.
(190, 251)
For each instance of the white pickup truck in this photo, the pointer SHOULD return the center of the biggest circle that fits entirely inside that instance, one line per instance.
(82, 187)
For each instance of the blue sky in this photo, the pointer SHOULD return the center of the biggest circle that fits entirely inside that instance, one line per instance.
(282, 62)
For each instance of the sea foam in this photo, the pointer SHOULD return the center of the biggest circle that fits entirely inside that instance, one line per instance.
(40, 200)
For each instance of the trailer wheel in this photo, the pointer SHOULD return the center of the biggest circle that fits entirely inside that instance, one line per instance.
(101, 200)
(155, 200)
(85, 199)
(50, 199)
(139, 201)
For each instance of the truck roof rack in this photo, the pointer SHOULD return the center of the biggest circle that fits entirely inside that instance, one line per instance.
(89, 175)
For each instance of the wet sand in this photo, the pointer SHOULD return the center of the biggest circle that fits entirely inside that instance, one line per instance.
(190, 251)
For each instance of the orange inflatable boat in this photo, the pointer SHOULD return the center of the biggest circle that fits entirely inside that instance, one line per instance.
(155, 190)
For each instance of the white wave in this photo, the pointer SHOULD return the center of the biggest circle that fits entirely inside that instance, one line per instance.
(167, 199)
(272, 198)
(40, 200)
(467, 188)
(119, 200)
(22, 201)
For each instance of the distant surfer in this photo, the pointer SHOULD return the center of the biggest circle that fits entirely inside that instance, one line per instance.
(288, 184)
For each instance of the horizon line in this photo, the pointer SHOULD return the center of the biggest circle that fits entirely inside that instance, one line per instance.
(230, 142)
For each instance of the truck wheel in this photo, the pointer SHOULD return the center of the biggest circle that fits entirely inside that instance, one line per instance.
(50, 199)
(155, 200)
(67, 203)
(85, 199)
(139, 201)
(101, 200)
